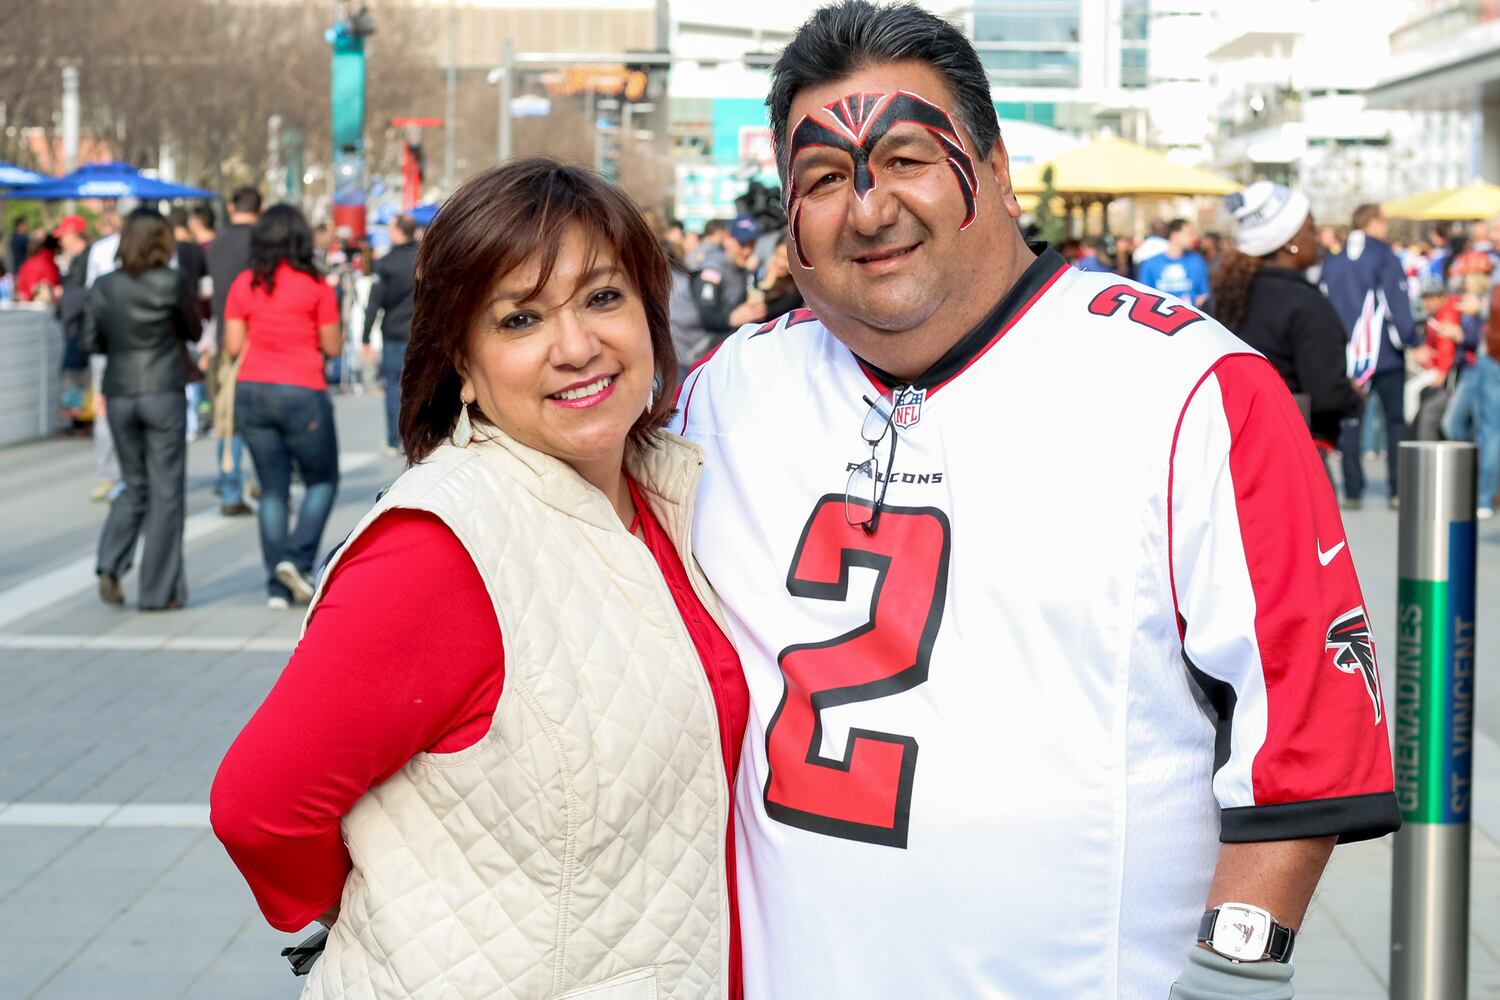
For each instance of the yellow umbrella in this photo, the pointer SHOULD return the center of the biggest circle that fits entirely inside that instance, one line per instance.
(1472, 202)
(1402, 208)
(1114, 168)
(1030, 203)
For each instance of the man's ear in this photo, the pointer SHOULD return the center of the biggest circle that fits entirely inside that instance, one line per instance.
(999, 164)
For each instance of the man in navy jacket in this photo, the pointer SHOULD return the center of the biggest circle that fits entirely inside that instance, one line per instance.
(1367, 274)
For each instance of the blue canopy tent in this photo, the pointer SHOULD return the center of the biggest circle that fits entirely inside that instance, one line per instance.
(423, 214)
(13, 177)
(111, 180)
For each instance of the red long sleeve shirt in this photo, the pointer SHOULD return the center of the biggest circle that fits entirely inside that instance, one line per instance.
(403, 656)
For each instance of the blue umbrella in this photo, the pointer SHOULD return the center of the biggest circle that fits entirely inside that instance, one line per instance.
(423, 214)
(12, 176)
(111, 180)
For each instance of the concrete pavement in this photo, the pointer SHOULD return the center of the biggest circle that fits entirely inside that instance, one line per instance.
(113, 722)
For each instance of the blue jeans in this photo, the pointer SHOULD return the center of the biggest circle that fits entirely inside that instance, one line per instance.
(1487, 373)
(1461, 422)
(392, 357)
(287, 427)
(231, 485)
(1385, 392)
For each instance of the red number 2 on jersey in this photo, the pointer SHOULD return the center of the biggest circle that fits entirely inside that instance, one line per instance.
(866, 796)
(1145, 309)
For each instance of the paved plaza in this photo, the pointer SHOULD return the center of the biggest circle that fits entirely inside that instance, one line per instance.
(112, 723)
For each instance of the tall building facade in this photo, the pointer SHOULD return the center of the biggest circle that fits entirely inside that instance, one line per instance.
(1444, 72)
(1290, 83)
(1131, 68)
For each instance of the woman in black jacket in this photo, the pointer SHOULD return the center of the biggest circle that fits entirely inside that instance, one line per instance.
(1261, 293)
(141, 317)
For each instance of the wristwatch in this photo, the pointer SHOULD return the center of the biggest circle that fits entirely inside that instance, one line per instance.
(1244, 933)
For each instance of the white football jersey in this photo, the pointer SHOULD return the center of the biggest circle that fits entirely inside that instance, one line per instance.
(1107, 617)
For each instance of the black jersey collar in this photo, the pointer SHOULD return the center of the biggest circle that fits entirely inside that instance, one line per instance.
(1020, 297)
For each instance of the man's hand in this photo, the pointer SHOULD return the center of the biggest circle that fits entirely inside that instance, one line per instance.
(747, 312)
(368, 353)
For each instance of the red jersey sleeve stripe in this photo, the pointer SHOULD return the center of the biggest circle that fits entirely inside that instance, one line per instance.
(1325, 729)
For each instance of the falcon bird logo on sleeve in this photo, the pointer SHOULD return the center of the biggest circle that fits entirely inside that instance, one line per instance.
(1354, 652)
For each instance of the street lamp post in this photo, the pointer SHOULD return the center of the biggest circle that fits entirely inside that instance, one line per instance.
(507, 81)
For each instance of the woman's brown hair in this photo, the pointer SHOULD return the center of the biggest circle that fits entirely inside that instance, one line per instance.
(493, 224)
(1230, 288)
(146, 242)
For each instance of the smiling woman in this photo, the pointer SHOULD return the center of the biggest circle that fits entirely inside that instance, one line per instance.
(503, 750)
(488, 279)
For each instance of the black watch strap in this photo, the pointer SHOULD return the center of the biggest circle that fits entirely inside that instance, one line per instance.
(1279, 948)
(1279, 943)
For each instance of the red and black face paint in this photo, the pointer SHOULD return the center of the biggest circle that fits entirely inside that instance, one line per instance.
(860, 121)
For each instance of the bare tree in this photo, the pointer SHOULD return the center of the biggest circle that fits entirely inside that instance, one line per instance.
(202, 76)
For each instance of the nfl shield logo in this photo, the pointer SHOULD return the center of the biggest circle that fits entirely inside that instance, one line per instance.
(908, 407)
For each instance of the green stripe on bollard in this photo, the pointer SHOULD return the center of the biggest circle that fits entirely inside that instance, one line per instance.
(1421, 638)
(1435, 689)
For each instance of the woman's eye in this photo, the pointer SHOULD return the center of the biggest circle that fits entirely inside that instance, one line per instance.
(519, 321)
(604, 297)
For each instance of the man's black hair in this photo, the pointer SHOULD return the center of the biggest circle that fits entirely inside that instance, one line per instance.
(1176, 226)
(205, 217)
(245, 199)
(845, 37)
(177, 216)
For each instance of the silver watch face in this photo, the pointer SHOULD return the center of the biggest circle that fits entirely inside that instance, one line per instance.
(1242, 932)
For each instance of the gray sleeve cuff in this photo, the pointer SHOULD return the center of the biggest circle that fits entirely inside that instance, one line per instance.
(1211, 976)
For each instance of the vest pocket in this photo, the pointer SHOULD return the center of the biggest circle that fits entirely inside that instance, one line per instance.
(637, 984)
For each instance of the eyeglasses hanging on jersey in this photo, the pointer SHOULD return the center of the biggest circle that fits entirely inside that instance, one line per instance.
(864, 496)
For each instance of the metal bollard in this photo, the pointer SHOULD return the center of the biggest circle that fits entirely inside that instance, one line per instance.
(1434, 721)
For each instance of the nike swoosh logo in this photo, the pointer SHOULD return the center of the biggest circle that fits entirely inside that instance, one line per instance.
(1327, 557)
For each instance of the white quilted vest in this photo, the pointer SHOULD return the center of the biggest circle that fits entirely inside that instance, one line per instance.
(577, 850)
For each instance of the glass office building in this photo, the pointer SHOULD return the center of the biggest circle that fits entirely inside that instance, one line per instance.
(1069, 64)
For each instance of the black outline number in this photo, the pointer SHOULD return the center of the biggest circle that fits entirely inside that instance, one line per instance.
(866, 796)
(1146, 308)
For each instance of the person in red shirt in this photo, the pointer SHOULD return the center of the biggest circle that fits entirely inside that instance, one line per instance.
(282, 320)
(531, 402)
(38, 279)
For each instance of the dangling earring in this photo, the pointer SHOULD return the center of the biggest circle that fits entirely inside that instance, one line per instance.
(463, 431)
(651, 395)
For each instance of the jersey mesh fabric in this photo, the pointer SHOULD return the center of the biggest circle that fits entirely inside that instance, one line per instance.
(974, 736)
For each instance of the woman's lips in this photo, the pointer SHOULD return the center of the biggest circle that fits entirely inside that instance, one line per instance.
(581, 396)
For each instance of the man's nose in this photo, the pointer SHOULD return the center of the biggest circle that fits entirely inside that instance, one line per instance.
(872, 213)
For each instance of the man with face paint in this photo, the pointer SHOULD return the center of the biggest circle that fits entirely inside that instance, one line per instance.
(1050, 697)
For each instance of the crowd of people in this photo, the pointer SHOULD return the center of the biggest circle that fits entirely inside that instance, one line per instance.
(174, 327)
